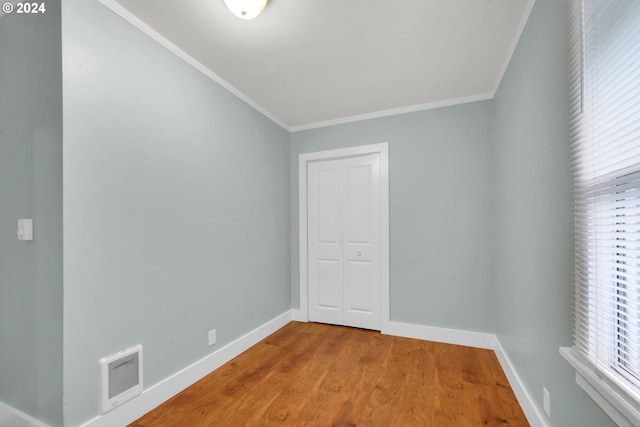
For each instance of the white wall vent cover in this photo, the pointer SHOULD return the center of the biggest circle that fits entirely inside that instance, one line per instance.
(120, 377)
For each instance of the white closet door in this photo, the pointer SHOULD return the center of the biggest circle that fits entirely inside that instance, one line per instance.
(344, 241)
(361, 241)
(325, 241)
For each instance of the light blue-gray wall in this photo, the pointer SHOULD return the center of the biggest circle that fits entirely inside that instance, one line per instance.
(515, 212)
(176, 207)
(440, 211)
(533, 246)
(31, 187)
(180, 211)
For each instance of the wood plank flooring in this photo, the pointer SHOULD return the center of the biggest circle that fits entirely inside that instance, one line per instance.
(309, 374)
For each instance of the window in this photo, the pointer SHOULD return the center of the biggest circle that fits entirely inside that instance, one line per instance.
(605, 134)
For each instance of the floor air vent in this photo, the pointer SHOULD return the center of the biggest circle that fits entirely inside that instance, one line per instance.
(120, 377)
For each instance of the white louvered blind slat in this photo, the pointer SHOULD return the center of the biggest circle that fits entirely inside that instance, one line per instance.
(605, 136)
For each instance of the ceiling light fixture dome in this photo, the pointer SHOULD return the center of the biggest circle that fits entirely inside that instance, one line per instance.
(246, 9)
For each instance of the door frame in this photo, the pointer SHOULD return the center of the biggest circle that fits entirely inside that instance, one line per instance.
(303, 159)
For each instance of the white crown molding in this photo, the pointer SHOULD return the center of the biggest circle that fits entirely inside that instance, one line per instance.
(514, 44)
(395, 111)
(174, 384)
(163, 41)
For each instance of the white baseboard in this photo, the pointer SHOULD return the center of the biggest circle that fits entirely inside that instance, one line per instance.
(477, 340)
(531, 411)
(167, 388)
(443, 335)
(10, 416)
(164, 390)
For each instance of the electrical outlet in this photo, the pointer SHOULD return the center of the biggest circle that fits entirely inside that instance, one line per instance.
(546, 401)
(212, 337)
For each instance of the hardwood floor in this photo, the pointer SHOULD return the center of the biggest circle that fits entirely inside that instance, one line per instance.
(309, 374)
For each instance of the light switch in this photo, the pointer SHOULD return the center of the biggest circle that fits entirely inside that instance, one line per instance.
(25, 229)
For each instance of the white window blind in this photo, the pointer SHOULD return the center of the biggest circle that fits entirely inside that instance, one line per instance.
(605, 138)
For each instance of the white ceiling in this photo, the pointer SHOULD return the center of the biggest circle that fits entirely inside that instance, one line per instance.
(306, 63)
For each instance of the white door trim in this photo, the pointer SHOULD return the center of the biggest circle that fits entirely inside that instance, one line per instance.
(303, 159)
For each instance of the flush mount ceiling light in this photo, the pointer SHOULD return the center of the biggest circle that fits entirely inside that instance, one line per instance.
(246, 9)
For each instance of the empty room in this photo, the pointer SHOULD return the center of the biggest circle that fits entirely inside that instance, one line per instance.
(320, 213)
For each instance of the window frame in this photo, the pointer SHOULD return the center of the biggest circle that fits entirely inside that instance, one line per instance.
(606, 355)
